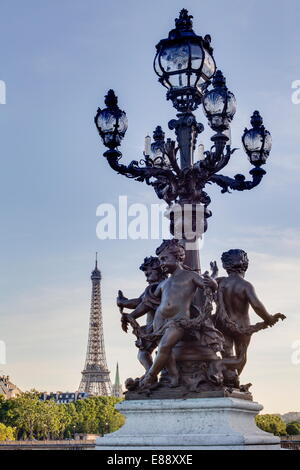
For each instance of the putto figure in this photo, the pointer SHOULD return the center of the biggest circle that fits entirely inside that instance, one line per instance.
(173, 315)
(145, 304)
(235, 296)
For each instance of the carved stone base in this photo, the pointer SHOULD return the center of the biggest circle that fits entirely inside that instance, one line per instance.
(197, 379)
(181, 392)
(194, 423)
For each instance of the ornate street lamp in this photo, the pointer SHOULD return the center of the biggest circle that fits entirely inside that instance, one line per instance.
(111, 122)
(155, 152)
(257, 141)
(185, 65)
(219, 104)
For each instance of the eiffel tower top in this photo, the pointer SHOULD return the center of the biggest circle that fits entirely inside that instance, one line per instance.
(96, 274)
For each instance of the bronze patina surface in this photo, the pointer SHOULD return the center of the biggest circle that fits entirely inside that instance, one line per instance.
(201, 349)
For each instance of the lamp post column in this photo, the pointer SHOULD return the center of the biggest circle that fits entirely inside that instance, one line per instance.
(186, 130)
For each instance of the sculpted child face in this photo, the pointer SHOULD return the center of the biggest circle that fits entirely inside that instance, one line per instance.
(152, 274)
(168, 261)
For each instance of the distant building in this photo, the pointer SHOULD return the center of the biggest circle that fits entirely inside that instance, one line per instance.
(117, 387)
(63, 397)
(7, 388)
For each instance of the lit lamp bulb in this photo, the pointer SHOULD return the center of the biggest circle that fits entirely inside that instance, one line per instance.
(227, 132)
(200, 152)
(147, 149)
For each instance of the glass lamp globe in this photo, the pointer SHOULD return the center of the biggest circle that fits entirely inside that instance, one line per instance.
(219, 104)
(257, 141)
(111, 122)
(184, 63)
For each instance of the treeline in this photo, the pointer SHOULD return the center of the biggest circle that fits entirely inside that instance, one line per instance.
(275, 425)
(26, 417)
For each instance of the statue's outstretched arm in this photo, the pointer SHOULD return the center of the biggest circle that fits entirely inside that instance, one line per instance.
(130, 318)
(123, 302)
(198, 280)
(257, 305)
(148, 304)
(206, 281)
(130, 303)
(140, 310)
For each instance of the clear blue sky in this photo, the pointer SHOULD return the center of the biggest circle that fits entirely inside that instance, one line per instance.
(58, 59)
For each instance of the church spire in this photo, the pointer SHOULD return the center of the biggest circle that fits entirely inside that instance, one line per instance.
(117, 379)
(117, 387)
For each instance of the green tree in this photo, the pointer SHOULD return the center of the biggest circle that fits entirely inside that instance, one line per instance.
(71, 420)
(87, 421)
(110, 419)
(23, 413)
(4, 407)
(97, 415)
(7, 433)
(36, 419)
(52, 420)
(271, 423)
(293, 429)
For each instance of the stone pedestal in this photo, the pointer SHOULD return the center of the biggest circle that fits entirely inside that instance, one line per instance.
(188, 424)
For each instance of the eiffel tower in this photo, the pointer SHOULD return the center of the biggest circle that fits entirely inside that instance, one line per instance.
(95, 379)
